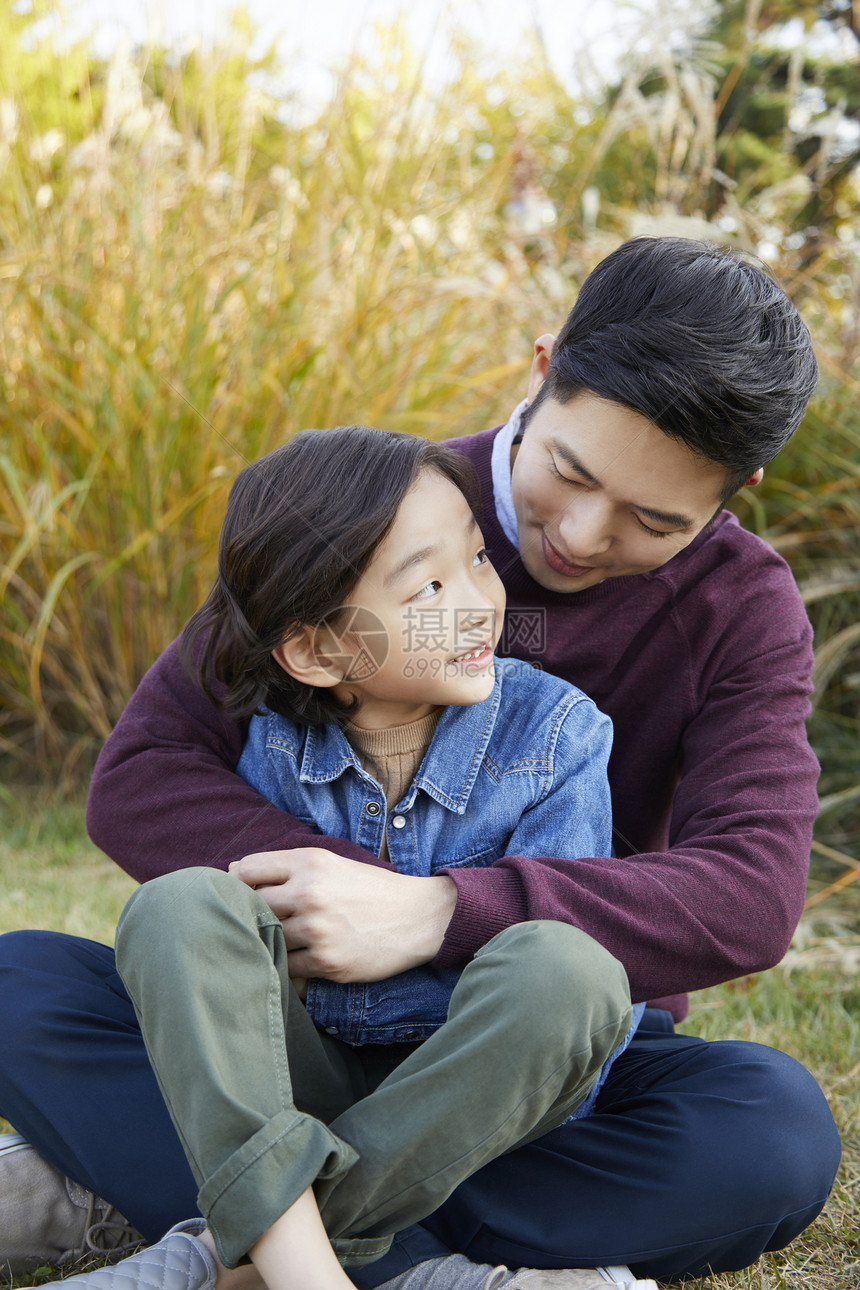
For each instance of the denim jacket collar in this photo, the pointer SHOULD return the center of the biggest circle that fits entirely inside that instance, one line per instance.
(450, 768)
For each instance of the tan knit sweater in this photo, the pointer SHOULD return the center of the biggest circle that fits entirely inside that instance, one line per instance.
(393, 756)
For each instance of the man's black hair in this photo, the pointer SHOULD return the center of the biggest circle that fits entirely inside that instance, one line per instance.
(302, 525)
(698, 339)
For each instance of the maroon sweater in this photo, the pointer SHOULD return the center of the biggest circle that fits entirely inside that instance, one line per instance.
(704, 666)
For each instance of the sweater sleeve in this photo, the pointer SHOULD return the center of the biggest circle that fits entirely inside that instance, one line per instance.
(725, 896)
(164, 793)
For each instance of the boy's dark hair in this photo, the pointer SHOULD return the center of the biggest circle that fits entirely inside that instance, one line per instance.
(302, 525)
(696, 338)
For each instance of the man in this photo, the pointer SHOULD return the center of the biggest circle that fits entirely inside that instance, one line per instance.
(680, 373)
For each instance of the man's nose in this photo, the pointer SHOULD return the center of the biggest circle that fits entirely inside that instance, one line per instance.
(585, 526)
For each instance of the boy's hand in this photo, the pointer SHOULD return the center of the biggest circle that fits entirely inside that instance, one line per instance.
(347, 921)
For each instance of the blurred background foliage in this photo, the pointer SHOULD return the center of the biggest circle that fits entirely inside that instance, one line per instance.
(192, 268)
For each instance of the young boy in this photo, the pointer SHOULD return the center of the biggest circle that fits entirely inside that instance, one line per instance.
(418, 749)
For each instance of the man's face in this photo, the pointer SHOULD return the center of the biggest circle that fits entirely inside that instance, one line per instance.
(601, 492)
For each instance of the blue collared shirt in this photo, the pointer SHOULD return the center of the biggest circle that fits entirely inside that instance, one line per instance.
(522, 773)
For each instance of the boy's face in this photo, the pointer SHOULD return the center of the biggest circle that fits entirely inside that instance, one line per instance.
(601, 492)
(432, 591)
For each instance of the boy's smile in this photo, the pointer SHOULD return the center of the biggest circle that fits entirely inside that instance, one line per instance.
(601, 492)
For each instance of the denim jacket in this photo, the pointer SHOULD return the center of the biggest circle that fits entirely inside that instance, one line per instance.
(522, 773)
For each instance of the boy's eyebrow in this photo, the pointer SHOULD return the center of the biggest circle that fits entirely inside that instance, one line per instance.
(417, 557)
(662, 517)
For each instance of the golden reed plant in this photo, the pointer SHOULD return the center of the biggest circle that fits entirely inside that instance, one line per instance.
(186, 279)
(167, 317)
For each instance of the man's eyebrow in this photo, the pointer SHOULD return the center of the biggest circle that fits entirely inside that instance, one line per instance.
(568, 455)
(664, 517)
(661, 517)
(418, 557)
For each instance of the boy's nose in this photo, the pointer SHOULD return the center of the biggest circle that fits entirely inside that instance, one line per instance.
(476, 618)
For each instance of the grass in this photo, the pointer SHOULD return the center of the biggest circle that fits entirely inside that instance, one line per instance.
(51, 876)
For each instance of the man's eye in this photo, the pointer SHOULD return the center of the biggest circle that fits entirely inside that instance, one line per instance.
(566, 478)
(658, 533)
(429, 589)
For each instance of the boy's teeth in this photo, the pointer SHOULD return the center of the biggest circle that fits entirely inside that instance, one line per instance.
(472, 653)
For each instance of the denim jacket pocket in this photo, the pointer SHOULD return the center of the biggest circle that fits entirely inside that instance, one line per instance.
(477, 859)
(401, 1009)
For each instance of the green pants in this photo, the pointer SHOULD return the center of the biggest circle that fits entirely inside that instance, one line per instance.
(266, 1105)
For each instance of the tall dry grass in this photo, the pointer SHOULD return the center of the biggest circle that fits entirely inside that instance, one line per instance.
(186, 278)
(810, 511)
(167, 317)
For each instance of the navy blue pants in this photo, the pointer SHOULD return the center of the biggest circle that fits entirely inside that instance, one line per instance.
(699, 1156)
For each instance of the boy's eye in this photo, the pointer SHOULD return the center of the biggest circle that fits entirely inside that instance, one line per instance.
(481, 557)
(429, 589)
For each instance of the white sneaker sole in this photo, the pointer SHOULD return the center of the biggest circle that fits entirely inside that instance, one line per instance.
(12, 1142)
(619, 1275)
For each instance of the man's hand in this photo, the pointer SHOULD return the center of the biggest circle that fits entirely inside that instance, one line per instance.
(348, 921)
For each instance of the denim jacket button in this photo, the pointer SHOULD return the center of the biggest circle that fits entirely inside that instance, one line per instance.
(373, 808)
(331, 1030)
(399, 822)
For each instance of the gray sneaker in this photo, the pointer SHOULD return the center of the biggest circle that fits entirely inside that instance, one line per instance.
(177, 1262)
(47, 1218)
(565, 1279)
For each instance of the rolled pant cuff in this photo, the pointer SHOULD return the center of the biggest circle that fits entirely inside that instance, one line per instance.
(259, 1182)
(358, 1252)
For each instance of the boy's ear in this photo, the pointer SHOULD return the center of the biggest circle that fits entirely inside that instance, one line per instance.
(540, 363)
(303, 657)
(755, 478)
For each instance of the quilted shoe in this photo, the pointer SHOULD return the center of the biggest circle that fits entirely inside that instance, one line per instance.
(47, 1218)
(177, 1262)
(565, 1279)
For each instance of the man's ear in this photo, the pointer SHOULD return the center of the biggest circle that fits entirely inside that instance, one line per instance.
(304, 658)
(540, 363)
(755, 478)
